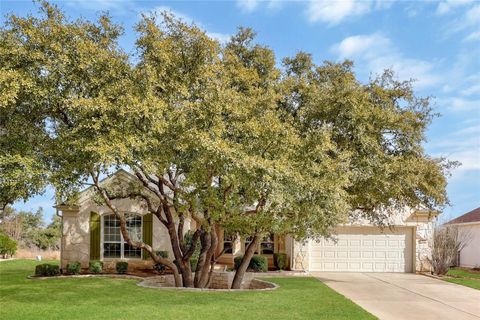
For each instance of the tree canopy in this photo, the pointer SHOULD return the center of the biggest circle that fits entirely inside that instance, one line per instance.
(221, 134)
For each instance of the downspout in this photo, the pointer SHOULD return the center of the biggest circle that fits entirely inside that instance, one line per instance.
(61, 236)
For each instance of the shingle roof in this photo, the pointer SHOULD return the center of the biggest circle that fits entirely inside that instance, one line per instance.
(472, 216)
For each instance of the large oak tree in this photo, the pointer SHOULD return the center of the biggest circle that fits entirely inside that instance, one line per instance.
(216, 134)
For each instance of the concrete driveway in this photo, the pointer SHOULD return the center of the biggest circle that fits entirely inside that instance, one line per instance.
(405, 295)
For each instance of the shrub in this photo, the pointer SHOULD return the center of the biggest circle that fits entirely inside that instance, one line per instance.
(74, 268)
(280, 260)
(95, 266)
(122, 267)
(445, 247)
(193, 263)
(8, 246)
(160, 267)
(47, 270)
(196, 254)
(257, 264)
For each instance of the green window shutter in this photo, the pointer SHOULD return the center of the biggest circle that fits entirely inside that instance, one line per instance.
(147, 233)
(94, 236)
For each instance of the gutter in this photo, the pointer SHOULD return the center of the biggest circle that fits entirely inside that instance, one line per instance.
(57, 212)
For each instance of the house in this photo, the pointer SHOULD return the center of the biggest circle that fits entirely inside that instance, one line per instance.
(91, 232)
(469, 232)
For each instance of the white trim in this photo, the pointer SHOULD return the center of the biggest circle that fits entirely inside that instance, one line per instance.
(414, 249)
(309, 254)
(101, 237)
(463, 224)
(122, 241)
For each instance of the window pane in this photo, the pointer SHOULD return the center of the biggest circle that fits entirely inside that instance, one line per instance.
(266, 248)
(268, 238)
(267, 244)
(111, 250)
(247, 243)
(111, 229)
(131, 252)
(134, 227)
(228, 247)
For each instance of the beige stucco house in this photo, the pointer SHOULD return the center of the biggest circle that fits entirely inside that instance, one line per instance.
(469, 232)
(91, 232)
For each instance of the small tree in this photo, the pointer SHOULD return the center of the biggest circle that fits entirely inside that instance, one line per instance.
(8, 246)
(446, 245)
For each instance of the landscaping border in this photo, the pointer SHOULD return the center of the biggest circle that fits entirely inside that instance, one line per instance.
(274, 286)
(143, 283)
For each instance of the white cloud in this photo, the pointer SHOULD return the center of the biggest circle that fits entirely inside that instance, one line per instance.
(100, 5)
(474, 36)
(461, 105)
(362, 45)
(446, 6)
(179, 15)
(376, 52)
(252, 5)
(333, 12)
(247, 5)
(469, 19)
(472, 90)
(220, 37)
(462, 145)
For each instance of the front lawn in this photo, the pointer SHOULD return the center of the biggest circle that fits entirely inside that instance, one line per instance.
(464, 277)
(103, 298)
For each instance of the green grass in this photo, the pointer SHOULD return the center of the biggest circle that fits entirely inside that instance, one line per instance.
(463, 273)
(464, 277)
(104, 298)
(472, 283)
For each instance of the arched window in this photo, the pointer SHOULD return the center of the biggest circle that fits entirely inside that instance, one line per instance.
(114, 246)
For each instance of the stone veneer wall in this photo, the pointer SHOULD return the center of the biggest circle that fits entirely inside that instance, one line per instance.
(220, 281)
(75, 244)
(223, 280)
(423, 245)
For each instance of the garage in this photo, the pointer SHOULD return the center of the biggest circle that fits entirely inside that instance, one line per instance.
(364, 249)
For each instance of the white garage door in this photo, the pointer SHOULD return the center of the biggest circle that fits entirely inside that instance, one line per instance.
(364, 249)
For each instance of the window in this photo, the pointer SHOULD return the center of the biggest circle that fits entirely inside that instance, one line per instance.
(267, 246)
(248, 240)
(113, 244)
(228, 242)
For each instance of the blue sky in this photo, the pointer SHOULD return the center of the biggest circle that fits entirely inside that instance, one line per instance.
(436, 43)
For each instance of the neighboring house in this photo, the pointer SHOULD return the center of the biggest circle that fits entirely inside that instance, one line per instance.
(91, 232)
(469, 232)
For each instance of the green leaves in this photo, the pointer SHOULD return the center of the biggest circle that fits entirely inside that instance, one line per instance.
(226, 135)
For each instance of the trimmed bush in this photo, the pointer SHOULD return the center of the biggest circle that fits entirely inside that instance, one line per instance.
(160, 267)
(257, 264)
(162, 253)
(196, 254)
(95, 266)
(74, 268)
(193, 263)
(280, 260)
(8, 246)
(47, 270)
(121, 267)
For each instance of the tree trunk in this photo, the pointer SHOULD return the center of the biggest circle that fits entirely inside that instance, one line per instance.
(205, 268)
(202, 258)
(237, 280)
(183, 266)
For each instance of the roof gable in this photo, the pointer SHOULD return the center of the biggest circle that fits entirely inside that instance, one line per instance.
(472, 216)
